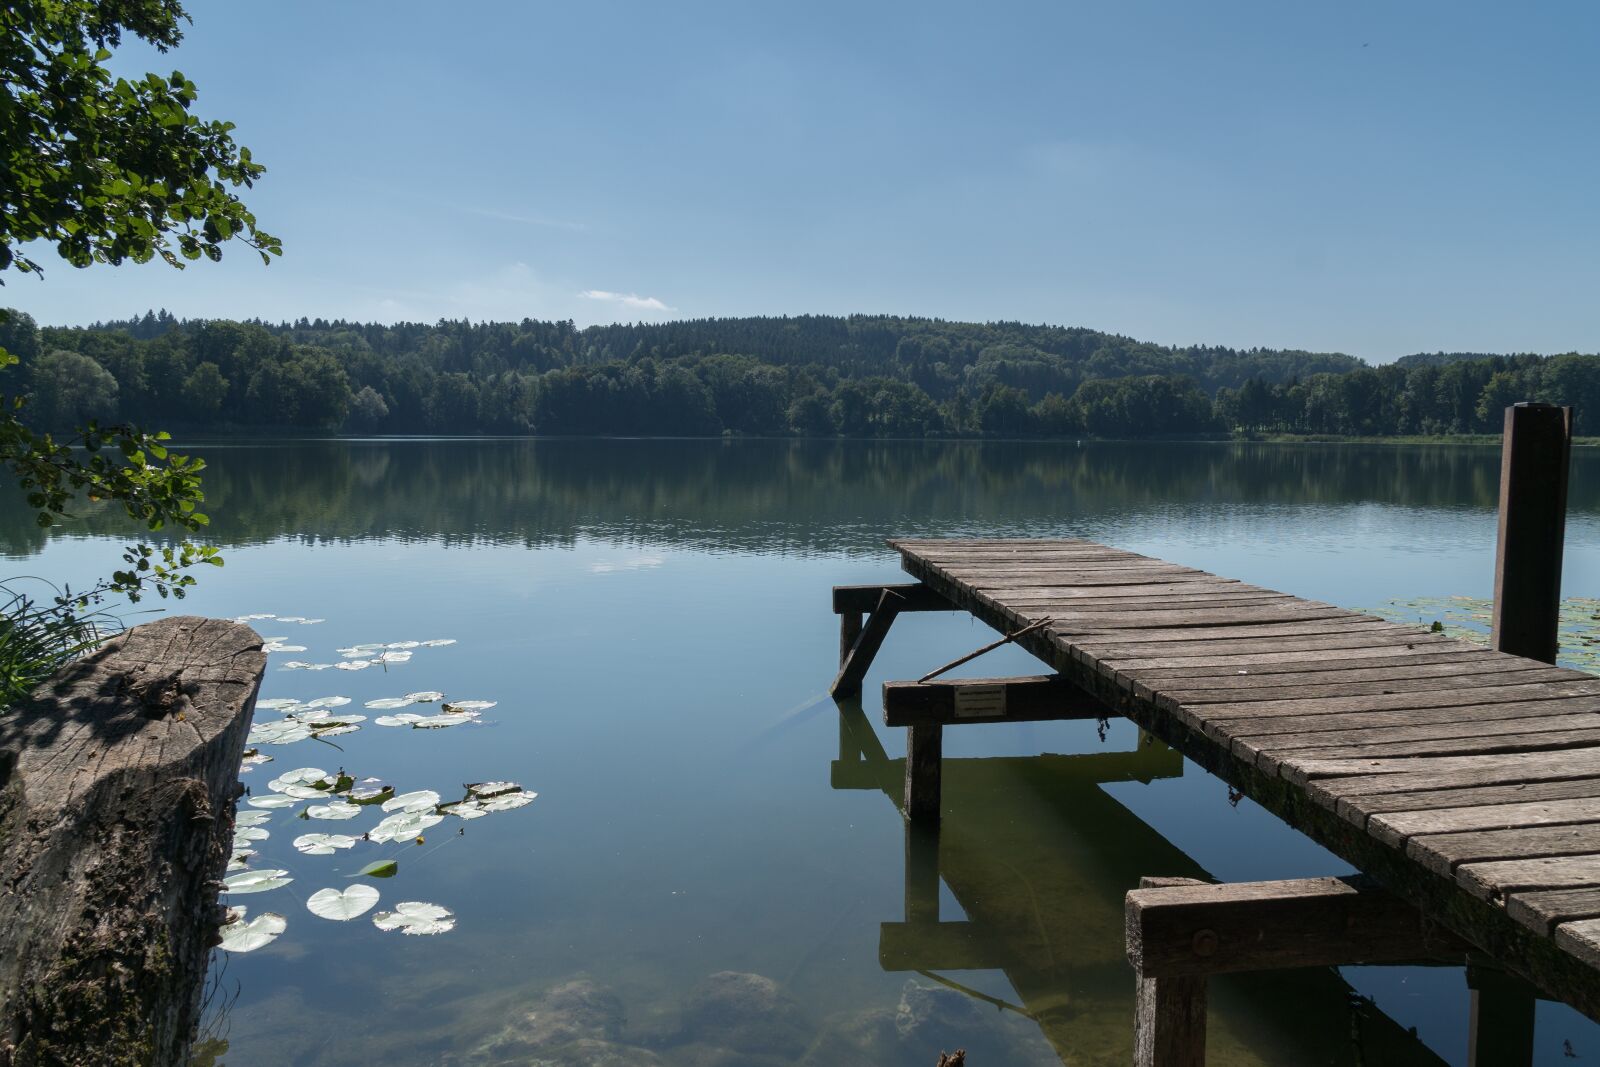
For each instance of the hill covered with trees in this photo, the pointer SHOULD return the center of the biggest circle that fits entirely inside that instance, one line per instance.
(823, 376)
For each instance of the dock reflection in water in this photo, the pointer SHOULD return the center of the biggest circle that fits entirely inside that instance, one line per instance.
(1038, 857)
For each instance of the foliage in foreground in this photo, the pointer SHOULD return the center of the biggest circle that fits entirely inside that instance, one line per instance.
(105, 169)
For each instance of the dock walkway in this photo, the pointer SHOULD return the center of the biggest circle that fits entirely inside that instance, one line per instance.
(1466, 781)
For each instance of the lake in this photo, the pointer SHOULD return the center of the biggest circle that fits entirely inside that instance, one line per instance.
(707, 871)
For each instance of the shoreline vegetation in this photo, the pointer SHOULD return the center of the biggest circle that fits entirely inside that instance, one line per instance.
(880, 377)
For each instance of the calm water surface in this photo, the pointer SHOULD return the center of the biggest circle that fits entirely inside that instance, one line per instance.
(715, 872)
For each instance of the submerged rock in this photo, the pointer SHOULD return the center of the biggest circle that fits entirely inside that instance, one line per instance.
(746, 1013)
(929, 1020)
(575, 1024)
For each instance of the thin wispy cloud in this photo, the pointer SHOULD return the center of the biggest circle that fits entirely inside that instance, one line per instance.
(526, 220)
(627, 300)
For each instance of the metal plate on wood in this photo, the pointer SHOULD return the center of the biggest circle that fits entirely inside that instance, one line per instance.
(980, 701)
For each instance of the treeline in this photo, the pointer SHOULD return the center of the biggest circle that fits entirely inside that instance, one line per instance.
(815, 376)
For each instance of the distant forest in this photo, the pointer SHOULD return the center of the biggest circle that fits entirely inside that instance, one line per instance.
(814, 376)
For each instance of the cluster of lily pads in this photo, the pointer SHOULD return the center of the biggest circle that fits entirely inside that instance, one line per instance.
(340, 797)
(320, 718)
(407, 816)
(1470, 619)
(357, 657)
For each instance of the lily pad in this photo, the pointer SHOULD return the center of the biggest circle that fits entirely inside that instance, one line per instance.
(426, 696)
(509, 801)
(328, 702)
(338, 810)
(242, 935)
(379, 869)
(322, 844)
(273, 646)
(342, 905)
(282, 732)
(402, 644)
(369, 791)
(492, 789)
(405, 718)
(335, 729)
(246, 834)
(354, 665)
(455, 707)
(272, 800)
(298, 776)
(255, 881)
(386, 703)
(415, 917)
(277, 703)
(251, 818)
(442, 722)
(404, 826)
(416, 800)
(439, 642)
(392, 657)
(253, 758)
(464, 809)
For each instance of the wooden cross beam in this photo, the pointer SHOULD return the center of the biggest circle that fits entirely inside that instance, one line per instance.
(948, 702)
(1180, 931)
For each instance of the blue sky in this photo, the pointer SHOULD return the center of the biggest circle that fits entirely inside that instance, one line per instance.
(1375, 178)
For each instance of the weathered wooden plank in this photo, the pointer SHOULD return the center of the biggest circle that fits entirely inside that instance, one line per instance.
(1042, 599)
(1361, 809)
(1515, 692)
(1090, 646)
(1070, 621)
(1396, 827)
(953, 701)
(1582, 939)
(1261, 734)
(1542, 910)
(1052, 587)
(1290, 727)
(1514, 741)
(1109, 648)
(1493, 880)
(1420, 678)
(1160, 671)
(1443, 853)
(1578, 763)
(1258, 926)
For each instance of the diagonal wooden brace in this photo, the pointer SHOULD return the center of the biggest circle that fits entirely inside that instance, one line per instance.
(854, 668)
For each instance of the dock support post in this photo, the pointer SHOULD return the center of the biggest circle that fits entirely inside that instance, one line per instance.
(1501, 1023)
(924, 755)
(854, 668)
(849, 631)
(1169, 1025)
(1535, 458)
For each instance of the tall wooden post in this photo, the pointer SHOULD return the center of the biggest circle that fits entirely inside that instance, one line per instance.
(924, 755)
(849, 631)
(1535, 457)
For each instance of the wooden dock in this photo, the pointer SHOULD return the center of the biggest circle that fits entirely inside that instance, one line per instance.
(1466, 781)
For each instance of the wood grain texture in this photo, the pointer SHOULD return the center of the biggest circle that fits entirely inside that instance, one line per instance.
(117, 783)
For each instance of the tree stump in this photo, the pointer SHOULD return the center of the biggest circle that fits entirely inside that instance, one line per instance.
(117, 783)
